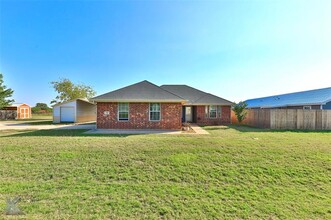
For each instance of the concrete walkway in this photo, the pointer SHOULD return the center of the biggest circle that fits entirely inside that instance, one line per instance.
(132, 131)
(7, 125)
(196, 129)
(76, 126)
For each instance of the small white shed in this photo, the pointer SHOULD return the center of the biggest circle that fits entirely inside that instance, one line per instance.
(77, 110)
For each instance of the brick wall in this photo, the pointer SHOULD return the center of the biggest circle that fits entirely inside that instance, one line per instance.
(171, 114)
(203, 120)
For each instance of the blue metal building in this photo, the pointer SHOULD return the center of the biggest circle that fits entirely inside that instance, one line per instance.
(312, 99)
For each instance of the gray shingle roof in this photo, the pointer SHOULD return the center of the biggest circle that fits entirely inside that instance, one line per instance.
(311, 97)
(140, 92)
(195, 96)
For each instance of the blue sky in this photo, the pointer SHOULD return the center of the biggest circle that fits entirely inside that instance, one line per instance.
(233, 49)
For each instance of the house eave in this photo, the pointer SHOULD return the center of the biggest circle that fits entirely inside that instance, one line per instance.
(138, 100)
(199, 104)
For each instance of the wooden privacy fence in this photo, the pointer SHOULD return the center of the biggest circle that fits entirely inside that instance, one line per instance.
(8, 114)
(287, 119)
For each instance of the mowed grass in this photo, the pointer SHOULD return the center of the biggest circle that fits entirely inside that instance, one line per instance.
(36, 119)
(233, 173)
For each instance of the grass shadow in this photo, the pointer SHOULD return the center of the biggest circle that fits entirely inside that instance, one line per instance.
(207, 128)
(28, 122)
(37, 122)
(246, 128)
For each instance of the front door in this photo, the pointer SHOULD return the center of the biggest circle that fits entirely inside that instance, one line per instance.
(188, 114)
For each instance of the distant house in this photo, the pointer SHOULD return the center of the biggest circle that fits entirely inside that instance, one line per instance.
(147, 106)
(23, 110)
(77, 110)
(312, 99)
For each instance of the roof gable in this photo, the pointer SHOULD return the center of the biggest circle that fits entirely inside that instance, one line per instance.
(143, 91)
(310, 97)
(195, 96)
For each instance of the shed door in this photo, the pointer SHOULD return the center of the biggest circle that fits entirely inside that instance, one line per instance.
(24, 113)
(67, 114)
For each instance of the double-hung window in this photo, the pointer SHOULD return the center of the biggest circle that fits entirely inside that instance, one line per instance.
(123, 111)
(212, 111)
(219, 111)
(154, 111)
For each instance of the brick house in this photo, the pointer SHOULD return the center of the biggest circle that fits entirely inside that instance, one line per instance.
(147, 106)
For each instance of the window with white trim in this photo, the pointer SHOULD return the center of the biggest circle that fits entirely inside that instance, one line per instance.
(212, 111)
(154, 111)
(307, 107)
(123, 111)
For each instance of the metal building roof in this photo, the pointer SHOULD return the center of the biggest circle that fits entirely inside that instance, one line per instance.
(195, 96)
(140, 92)
(74, 100)
(16, 104)
(310, 97)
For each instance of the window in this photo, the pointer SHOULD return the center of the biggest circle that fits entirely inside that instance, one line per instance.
(206, 111)
(154, 111)
(307, 107)
(219, 111)
(212, 111)
(123, 111)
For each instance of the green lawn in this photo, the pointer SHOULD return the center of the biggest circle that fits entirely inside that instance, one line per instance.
(42, 118)
(234, 173)
(36, 119)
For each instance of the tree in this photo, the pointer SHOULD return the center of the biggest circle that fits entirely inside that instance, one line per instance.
(41, 108)
(5, 94)
(35, 110)
(240, 110)
(67, 91)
